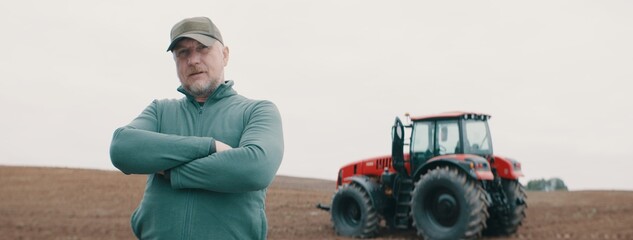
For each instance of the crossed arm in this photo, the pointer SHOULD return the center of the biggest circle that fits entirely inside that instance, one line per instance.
(219, 147)
(194, 162)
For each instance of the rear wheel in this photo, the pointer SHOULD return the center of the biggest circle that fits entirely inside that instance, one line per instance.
(353, 214)
(505, 220)
(448, 205)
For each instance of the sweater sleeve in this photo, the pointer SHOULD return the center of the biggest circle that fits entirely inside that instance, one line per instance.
(250, 166)
(138, 148)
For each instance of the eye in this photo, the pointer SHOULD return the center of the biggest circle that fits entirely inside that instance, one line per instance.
(180, 53)
(202, 48)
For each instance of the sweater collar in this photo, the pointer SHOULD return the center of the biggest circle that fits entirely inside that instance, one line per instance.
(224, 90)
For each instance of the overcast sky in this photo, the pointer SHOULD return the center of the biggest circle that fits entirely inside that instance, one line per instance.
(554, 75)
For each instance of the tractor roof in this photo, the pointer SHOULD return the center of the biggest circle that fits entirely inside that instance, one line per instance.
(456, 114)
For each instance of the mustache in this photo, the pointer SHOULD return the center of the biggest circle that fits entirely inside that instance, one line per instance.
(196, 69)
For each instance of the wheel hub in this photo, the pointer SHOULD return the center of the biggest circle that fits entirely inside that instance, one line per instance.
(444, 209)
(352, 212)
(446, 205)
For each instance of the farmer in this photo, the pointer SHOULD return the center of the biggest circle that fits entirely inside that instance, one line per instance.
(209, 156)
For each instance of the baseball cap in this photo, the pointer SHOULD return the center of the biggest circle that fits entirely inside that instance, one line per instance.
(200, 29)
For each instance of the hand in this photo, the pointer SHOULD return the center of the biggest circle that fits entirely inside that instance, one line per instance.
(164, 173)
(220, 146)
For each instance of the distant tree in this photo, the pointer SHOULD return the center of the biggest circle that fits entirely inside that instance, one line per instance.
(558, 184)
(536, 185)
(547, 185)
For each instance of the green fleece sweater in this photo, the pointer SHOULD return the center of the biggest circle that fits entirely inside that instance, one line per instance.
(208, 195)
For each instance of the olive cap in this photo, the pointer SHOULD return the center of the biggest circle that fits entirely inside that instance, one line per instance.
(200, 29)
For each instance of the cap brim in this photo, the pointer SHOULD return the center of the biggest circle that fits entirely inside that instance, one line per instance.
(204, 39)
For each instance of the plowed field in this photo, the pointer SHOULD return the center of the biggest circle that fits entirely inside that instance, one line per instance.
(58, 203)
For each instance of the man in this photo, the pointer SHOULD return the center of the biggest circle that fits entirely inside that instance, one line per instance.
(210, 156)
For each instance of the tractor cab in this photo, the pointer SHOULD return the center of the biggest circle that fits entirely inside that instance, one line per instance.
(453, 133)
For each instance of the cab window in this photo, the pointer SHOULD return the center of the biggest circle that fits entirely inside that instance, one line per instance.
(422, 137)
(447, 137)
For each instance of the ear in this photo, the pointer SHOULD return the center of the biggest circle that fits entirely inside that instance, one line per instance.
(225, 52)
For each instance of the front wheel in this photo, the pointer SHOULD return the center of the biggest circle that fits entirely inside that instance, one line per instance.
(448, 205)
(353, 214)
(507, 214)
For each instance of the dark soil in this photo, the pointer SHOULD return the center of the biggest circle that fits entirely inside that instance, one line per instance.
(59, 203)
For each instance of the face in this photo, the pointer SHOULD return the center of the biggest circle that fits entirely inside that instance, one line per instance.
(200, 68)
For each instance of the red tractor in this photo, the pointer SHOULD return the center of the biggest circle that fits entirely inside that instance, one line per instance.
(447, 183)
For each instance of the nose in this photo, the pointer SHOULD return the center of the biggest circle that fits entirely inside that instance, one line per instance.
(194, 58)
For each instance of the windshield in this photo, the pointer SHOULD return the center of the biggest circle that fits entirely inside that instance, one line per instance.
(422, 137)
(477, 137)
(447, 137)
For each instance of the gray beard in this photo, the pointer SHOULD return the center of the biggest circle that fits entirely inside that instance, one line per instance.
(201, 88)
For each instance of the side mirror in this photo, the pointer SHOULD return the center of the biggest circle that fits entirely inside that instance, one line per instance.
(397, 146)
(397, 131)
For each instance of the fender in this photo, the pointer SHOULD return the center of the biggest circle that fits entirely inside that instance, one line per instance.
(372, 188)
(507, 168)
(474, 166)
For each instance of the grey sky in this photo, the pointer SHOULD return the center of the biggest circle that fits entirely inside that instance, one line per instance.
(553, 74)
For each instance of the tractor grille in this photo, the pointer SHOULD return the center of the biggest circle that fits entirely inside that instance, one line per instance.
(383, 163)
